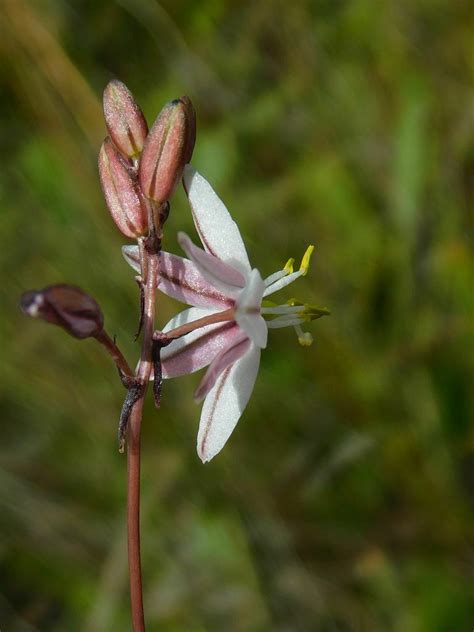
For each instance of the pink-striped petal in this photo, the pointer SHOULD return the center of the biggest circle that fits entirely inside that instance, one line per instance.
(186, 316)
(198, 348)
(225, 358)
(181, 279)
(219, 233)
(225, 278)
(130, 254)
(225, 404)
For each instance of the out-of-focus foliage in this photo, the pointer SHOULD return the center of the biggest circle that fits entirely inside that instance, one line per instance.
(343, 501)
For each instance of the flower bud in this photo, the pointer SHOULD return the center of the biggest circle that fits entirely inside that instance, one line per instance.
(67, 306)
(124, 119)
(191, 131)
(121, 192)
(167, 149)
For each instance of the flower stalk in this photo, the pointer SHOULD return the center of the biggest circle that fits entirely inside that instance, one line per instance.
(117, 356)
(134, 443)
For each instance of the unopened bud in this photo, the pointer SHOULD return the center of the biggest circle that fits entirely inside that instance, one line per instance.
(191, 129)
(66, 306)
(121, 191)
(168, 148)
(124, 119)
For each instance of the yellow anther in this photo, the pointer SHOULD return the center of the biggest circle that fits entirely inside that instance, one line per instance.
(306, 259)
(289, 266)
(293, 301)
(306, 339)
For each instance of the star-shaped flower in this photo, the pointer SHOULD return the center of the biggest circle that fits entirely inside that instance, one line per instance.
(220, 285)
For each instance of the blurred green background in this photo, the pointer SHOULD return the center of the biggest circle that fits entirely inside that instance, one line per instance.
(344, 500)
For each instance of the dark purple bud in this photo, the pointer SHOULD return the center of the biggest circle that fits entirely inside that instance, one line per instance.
(168, 148)
(121, 191)
(124, 119)
(67, 306)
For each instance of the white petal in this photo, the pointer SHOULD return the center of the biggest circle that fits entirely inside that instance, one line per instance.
(255, 326)
(220, 275)
(201, 349)
(186, 316)
(131, 256)
(225, 404)
(247, 310)
(219, 233)
(181, 279)
(251, 296)
(237, 347)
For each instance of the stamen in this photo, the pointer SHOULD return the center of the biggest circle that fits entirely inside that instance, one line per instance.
(282, 282)
(276, 276)
(281, 279)
(294, 301)
(312, 312)
(304, 337)
(306, 259)
(269, 304)
(284, 321)
(282, 309)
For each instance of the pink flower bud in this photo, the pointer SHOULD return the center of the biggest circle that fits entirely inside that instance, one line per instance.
(121, 192)
(167, 149)
(67, 306)
(124, 119)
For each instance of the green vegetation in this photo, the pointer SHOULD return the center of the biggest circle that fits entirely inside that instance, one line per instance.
(343, 501)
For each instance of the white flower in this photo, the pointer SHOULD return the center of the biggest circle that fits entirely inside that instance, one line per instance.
(220, 280)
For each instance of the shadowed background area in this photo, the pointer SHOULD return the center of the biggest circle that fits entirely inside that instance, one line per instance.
(343, 501)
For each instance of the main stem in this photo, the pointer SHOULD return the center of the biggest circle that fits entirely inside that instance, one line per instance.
(133, 516)
(133, 448)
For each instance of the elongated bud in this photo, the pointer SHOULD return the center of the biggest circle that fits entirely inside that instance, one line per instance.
(121, 191)
(191, 129)
(168, 148)
(124, 119)
(66, 306)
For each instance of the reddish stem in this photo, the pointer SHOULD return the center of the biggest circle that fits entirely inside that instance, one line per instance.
(133, 450)
(117, 356)
(133, 516)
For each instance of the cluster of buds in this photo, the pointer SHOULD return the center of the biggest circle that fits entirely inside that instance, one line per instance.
(139, 169)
